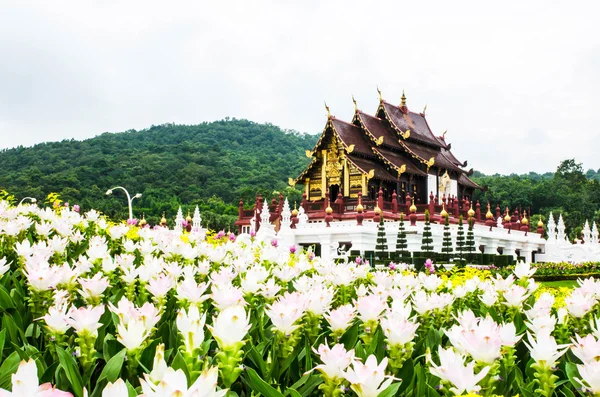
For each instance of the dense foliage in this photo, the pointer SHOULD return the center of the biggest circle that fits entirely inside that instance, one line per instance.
(94, 308)
(569, 191)
(211, 164)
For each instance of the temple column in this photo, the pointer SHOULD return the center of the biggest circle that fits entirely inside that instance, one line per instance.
(364, 185)
(307, 187)
(526, 252)
(325, 246)
(346, 179)
(324, 173)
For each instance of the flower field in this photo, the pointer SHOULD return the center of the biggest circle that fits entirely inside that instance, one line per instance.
(93, 308)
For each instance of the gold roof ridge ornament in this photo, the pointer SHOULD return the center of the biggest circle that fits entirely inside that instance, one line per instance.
(355, 105)
(401, 170)
(350, 148)
(403, 100)
(371, 174)
(379, 92)
(444, 135)
(379, 141)
(328, 112)
(308, 153)
(291, 182)
(406, 134)
(430, 163)
(424, 109)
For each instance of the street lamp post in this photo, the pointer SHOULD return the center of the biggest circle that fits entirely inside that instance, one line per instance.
(129, 198)
(32, 199)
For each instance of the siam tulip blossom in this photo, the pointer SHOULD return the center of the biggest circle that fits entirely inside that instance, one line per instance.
(57, 320)
(191, 326)
(340, 319)
(369, 308)
(335, 360)
(503, 284)
(42, 277)
(587, 349)
(524, 270)
(544, 350)
(189, 290)
(160, 286)
(4, 267)
(430, 283)
(319, 298)
(230, 326)
(368, 379)
(286, 311)
(480, 339)
(270, 289)
(117, 389)
(133, 335)
(398, 329)
(515, 295)
(590, 377)
(542, 324)
(92, 288)
(174, 384)
(86, 319)
(159, 365)
(254, 279)
(579, 304)
(293, 249)
(76, 208)
(224, 296)
(452, 370)
(229, 329)
(508, 335)
(25, 383)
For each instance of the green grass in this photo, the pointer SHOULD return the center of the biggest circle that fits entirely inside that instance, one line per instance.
(559, 284)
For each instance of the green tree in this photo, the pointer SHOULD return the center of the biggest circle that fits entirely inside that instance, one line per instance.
(447, 239)
(460, 238)
(401, 243)
(381, 246)
(470, 243)
(427, 240)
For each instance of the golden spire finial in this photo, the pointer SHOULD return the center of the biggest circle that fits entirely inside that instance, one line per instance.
(380, 97)
(328, 112)
(424, 109)
(444, 134)
(355, 105)
(403, 103)
(444, 213)
(413, 207)
(489, 214)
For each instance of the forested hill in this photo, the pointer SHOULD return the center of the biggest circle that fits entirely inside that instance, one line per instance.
(211, 164)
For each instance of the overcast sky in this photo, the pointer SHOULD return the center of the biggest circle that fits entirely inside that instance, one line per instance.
(516, 84)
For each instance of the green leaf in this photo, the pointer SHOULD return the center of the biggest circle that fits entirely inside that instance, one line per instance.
(2, 339)
(312, 382)
(9, 367)
(5, 301)
(350, 337)
(406, 375)
(390, 391)
(257, 360)
(293, 393)
(131, 390)
(572, 373)
(179, 363)
(256, 383)
(112, 369)
(67, 362)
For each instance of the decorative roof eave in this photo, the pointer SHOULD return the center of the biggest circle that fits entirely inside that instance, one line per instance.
(371, 173)
(402, 169)
(303, 173)
(406, 134)
(376, 141)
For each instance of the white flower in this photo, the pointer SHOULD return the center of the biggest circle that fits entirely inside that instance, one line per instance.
(587, 349)
(590, 373)
(368, 379)
(57, 319)
(452, 369)
(545, 350)
(174, 383)
(4, 267)
(369, 307)
(132, 335)
(524, 270)
(515, 295)
(191, 291)
(86, 319)
(25, 383)
(286, 311)
(93, 287)
(398, 329)
(341, 318)
(578, 304)
(117, 389)
(230, 326)
(191, 327)
(335, 360)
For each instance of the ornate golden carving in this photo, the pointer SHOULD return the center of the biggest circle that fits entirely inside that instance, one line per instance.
(371, 174)
(401, 170)
(350, 148)
(379, 141)
(291, 182)
(405, 135)
(308, 153)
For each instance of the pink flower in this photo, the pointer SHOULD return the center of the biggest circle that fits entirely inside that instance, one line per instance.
(220, 235)
(67, 205)
(231, 237)
(252, 233)
(76, 208)
(392, 266)
(358, 260)
(274, 243)
(293, 249)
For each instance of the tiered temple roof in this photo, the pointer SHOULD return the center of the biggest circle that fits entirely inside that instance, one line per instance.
(394, 149)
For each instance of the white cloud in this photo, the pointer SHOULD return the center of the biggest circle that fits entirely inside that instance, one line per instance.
(514, 83)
